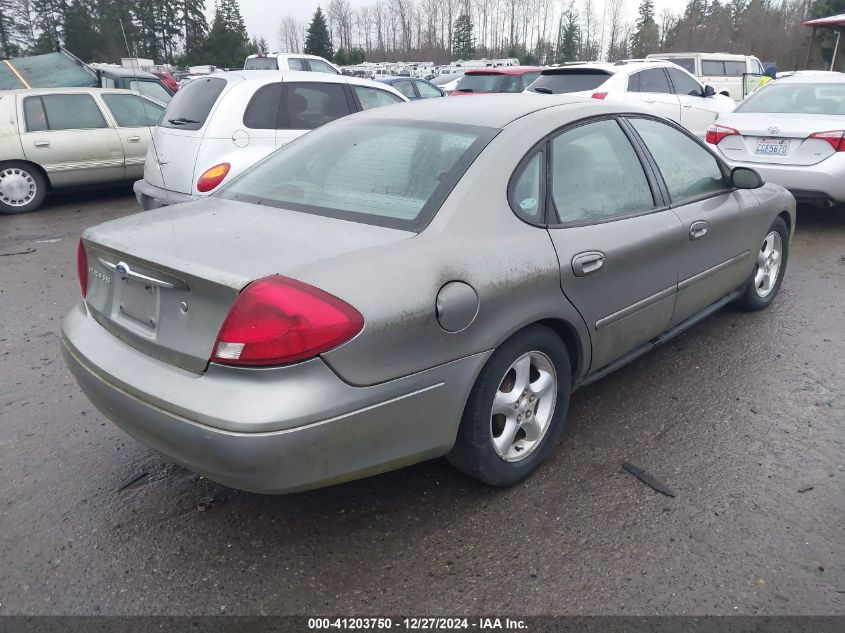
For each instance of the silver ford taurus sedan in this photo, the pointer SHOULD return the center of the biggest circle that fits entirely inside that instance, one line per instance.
(420, 280)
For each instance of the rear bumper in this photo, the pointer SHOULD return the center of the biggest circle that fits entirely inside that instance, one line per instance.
(152, 197)
(268, 430)
(820, 183)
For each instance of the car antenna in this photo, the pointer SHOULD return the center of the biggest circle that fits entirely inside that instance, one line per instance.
(143, 102)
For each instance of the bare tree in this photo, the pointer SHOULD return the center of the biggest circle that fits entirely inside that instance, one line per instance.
(291, 34)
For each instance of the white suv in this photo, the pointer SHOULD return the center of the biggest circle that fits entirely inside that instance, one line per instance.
(723, 71)
(218, 125)
(290, 61)
(661, 87)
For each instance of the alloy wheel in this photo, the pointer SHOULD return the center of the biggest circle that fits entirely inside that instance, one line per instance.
(768, 264)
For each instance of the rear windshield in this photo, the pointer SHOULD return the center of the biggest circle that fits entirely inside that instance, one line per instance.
(776, 98)
(572, 80)
(189, 107)
(480, 83)
(261, 63)
(387, 173)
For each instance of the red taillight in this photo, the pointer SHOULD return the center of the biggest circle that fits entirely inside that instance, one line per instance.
(836, 138)
(599, 95)
(82, 268)
(716, 132)
(278, 320)
(212, 177)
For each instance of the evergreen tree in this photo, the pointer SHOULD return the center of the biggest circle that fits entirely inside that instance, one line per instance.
(80, 35)
(463, 43)
(227, 44)
(8, 45)
(568, 43)
(646, 39)
(194, 29)
(49, 22)
(317, 38)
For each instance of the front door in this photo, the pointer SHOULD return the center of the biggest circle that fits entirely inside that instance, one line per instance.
(655, 93)
(718, 221)
(617, 246)
(69, 137)
(697, 111)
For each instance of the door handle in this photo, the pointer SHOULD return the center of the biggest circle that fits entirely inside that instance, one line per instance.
(699, 229)
(687, 105)
(585, 263)
(42, 143)
(133, 139)
(649, 100)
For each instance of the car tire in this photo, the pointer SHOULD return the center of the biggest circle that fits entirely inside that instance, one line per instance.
(22, 187)
(498, 409)
(769, 269)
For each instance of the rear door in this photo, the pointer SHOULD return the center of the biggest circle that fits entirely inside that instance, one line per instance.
(718, 221)
(304, 106)
(68, 135)
(655, 93)
(616, 242)
(135, 118)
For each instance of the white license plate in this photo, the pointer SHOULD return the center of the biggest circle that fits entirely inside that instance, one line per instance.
(777, 148)
(139, 302)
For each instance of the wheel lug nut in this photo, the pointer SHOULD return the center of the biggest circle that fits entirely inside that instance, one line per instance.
(519, 418)
(531, 399)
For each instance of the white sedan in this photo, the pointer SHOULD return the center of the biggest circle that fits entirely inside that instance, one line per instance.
(663, 88)
(792, 131)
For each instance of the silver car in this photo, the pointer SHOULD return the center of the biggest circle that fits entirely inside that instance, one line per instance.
(53, 138)
(793, 132)
(429, 279)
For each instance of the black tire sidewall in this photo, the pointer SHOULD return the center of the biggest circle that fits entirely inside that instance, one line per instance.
(750, 300)
(40, 191)
(474, 453)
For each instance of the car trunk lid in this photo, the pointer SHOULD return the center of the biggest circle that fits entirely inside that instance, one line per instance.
(171, 159)
(781, 139)
(164, 281)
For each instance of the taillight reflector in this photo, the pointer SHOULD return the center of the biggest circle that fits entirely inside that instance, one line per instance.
(716, 132)
(836, 138)
(277, 320)
(82, 268)
(599, 95)
(212, 177)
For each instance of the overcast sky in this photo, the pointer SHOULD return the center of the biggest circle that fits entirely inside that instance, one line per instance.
(262, 16)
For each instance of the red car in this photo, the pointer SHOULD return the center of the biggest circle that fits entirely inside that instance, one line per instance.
(167, 79)
(505, 79)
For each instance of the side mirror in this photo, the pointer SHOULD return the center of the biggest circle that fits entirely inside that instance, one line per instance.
(709, 91)
(746, 178)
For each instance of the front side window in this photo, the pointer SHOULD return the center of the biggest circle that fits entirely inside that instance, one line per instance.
(651, 80)
(107, 82)
(305, 106)
(683, 83)
(406, 88)
(151, 89)
(427, 91)
(319, 66)
(688, 169)
(596, 175)
(263, 107)
(133, 111)
(527, 189)
(374, 98)
(62, 112)
(388, 173)
(190, 107)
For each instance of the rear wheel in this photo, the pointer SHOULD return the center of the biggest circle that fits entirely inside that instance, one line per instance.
(769, 268)
(516, 409)
(22, 187)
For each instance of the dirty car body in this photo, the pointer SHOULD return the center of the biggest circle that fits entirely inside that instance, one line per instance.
(432, 280)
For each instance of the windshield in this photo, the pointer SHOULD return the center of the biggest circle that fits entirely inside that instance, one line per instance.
(574, 80)
(480, 83)
(388, 173)
(261, 63)
(787, 98)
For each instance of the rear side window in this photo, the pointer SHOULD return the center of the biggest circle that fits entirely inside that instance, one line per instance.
(734, 69)
(710, 68)
(596, 175)
(133, 111)
(526, 196)
(651, 80)
(189, 107)
(62, 112)
(574, 80)
(263, 108)
(374, 98)
(387, 173)
(305, 106)
(688, 169)
(683, 83)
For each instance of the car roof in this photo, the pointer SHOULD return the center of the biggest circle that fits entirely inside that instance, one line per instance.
(503, 70)
(120, 71)
(813, 77)
(485, 110)
(268, 76)
(74, 90)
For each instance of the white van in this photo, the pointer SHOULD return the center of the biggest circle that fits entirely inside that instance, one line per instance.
(723, 71)
(290, 61)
